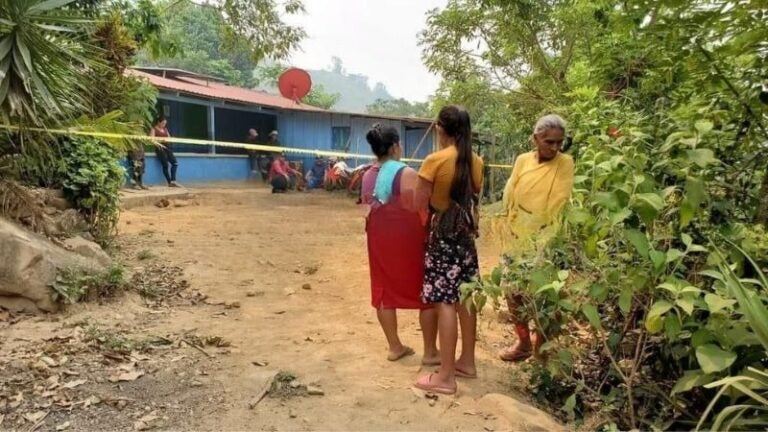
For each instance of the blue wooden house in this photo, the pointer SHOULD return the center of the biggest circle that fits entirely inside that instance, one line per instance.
(202, 107)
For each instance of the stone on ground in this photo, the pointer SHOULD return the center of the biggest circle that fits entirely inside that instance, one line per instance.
(29, 265)
(518, 415)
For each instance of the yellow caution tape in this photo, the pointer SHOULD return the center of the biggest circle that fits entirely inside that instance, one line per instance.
(193, 141)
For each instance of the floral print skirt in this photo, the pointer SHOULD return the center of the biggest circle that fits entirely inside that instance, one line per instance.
(450, 261)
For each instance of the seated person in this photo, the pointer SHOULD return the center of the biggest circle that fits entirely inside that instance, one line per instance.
(316, 174)
(281, 175)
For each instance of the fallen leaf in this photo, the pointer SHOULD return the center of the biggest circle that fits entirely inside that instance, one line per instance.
(73, 384)
(63, 426)
(92, 400)
(35, 416)
(260, 363)
(306, 286)
(470, 412)
(127, 376)
(48, 361)
(2, 417)
(280, 312)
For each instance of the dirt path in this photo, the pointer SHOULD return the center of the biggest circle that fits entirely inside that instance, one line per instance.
(297, 266)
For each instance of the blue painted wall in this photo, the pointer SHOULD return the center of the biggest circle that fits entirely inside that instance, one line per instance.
(199, 169)
(306, 130)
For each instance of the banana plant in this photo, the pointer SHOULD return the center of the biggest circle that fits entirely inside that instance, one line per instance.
(747, 392)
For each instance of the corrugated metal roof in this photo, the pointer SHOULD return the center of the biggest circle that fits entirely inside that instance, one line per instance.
(199, 85)
(215, 90)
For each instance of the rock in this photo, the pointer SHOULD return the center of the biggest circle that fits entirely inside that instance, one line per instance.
(29, 265)
(71, 222)
(306, 286)
(58, 203)
(163, 203)
(251, 294)
(313, 390)
(88, 249)
(518, 415)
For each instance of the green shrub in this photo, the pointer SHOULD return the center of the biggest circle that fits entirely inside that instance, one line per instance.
(92, 180)
(74, 285)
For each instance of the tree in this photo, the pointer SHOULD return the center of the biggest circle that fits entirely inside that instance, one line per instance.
(320, 98)
(663, 102)
(42, 56)
(400, 108)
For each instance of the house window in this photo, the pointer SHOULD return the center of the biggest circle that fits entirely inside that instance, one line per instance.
(340, 136)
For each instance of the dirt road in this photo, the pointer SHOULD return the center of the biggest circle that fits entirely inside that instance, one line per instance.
(297, 266)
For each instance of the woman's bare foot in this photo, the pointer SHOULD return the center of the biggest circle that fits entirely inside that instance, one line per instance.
(405, 351)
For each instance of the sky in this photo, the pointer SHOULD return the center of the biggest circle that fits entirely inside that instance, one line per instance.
(376, 38)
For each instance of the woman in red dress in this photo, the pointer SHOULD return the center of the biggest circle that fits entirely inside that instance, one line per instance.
(396, 237)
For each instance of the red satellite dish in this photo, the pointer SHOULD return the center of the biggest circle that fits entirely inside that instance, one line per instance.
(294, 84)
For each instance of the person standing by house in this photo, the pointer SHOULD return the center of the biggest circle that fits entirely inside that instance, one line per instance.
(136, 160)
(164, 151)
(454, 176)
(537, 191)
(274, 140)
(253, 155)
(396, 237)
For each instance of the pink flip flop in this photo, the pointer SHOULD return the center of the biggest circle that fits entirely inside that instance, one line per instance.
(425, 383)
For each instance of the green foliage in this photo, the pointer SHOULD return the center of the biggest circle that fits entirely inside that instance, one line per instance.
(43, 53)
(400, 108)
(663, 102)
(320, 98)
(226, 41)
(74, 285)
(145, 254)
(92, 180)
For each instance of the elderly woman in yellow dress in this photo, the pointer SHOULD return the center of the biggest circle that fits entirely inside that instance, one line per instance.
(536, 192)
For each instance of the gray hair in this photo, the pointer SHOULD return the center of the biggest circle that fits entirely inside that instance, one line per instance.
(551, 121)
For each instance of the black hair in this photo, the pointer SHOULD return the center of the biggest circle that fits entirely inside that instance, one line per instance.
(382, 138)
(455, 122)
(159, 119)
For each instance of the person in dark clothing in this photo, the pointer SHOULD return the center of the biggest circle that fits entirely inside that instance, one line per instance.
(136, 158)
(316, 175)
(164, 151)
(254, 155)
(273, 139)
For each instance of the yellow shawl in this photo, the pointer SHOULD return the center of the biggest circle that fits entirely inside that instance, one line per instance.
(533, 197)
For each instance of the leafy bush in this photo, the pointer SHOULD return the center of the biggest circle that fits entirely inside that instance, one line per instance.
(92, 179)
(74, 285)
(647, 312)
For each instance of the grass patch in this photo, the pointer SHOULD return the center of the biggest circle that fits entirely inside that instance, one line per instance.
(286, 386)
(145, 255)
(74, 285)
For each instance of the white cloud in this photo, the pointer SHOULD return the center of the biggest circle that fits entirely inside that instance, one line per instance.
(372, 37)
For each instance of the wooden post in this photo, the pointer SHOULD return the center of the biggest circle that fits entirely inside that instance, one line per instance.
(493, 161)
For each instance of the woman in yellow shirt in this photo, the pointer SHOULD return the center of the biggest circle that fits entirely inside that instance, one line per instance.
(455, 177)
(536, 192)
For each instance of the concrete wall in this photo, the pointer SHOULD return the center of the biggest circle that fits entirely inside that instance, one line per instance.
(199, 168)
